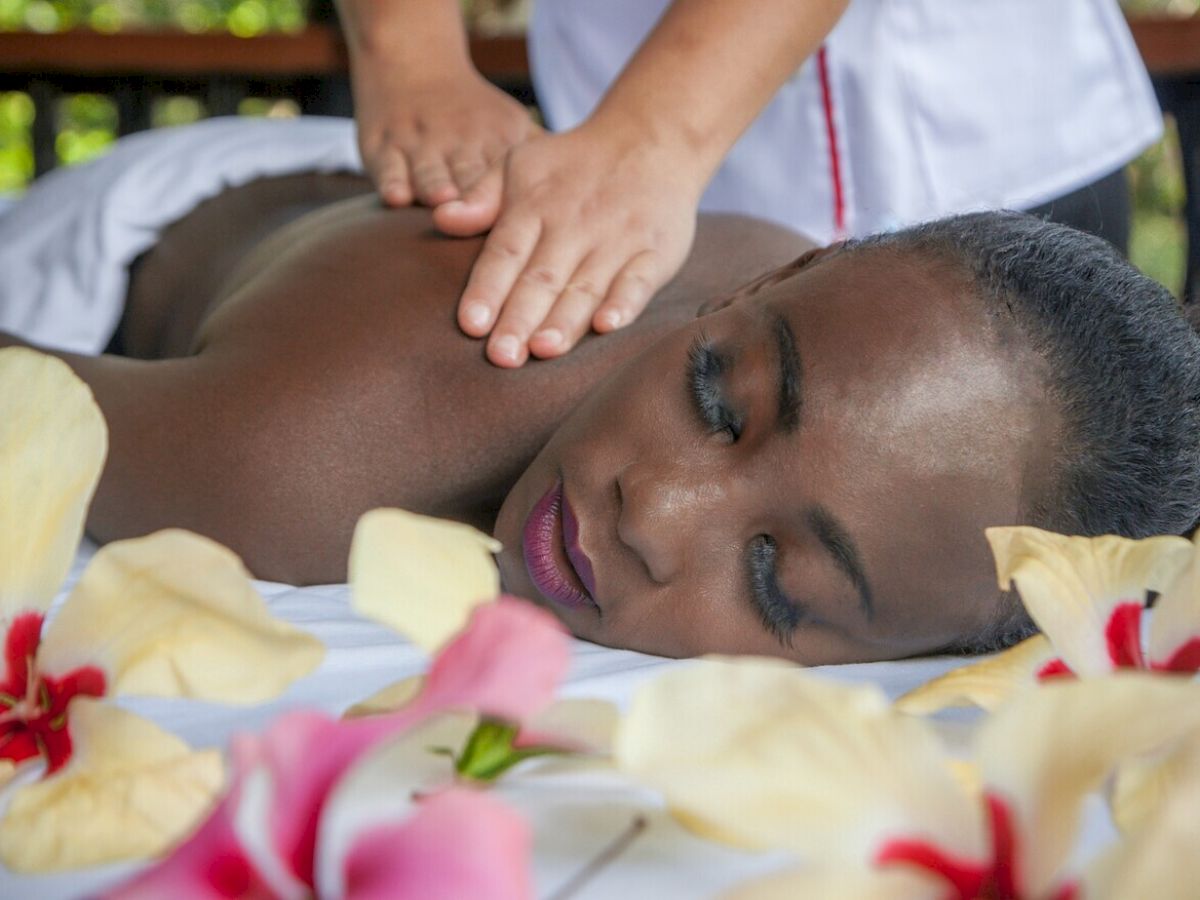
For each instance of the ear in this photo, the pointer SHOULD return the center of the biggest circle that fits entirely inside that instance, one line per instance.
(762, 282)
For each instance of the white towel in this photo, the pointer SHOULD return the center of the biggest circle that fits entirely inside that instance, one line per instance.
(66, 245)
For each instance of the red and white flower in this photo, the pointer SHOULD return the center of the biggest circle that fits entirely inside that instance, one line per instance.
(765, 756)
(171, 615)
(1088, 597)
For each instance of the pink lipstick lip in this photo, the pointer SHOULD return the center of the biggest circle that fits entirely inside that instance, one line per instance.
(546, 556)
(578, 559)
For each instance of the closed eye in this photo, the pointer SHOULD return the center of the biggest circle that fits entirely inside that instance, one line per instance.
(780, 615)
(705, 369)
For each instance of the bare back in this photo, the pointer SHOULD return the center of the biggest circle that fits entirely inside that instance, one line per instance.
(300, 364)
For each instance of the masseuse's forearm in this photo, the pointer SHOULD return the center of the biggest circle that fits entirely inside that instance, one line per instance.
(415, 37)
(707, 70)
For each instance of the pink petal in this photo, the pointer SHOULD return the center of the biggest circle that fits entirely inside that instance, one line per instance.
(304, 753)
(507, 663)
(458, 844)
(210, 864)
(1124, 636)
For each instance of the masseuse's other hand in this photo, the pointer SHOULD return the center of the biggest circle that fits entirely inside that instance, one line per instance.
(587, 227)
(428, 138)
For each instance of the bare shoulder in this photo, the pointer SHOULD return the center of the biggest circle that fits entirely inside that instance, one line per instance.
(328, 377)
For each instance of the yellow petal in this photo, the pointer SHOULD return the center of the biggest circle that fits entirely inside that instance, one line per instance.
(841, 884)
(1159, 860)
(986, 683)
(388, 699)
(52, 446)
(1070, 585)
(130, 791)
(421, 576)
(1143, 786)
(764, 755)
(1048, 748)
(1176, 619)
(175, 614)
(583, 724)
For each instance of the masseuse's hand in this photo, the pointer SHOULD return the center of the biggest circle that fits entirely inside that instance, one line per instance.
(428, 138)
(587, 227)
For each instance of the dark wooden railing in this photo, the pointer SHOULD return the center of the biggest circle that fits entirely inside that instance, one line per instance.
(135, 68)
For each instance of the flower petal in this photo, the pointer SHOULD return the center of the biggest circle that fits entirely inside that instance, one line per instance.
(387, 699)
(1143, 786)
(841, 884)
(1159, 860)
(129, 791)
(52, 447)
(380, 788)
(212, 863)
(1043, 752)
(1174, 642)
(507, 663)
(175, 614)
(304, 755)
(985, 684)
(762, 754)
(459, 843)
(582, 725)
(420, 576)
(263, 833)
(1076, 588)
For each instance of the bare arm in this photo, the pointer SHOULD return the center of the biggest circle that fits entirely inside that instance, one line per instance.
(707, 70)
(428, 124)
(633, 172)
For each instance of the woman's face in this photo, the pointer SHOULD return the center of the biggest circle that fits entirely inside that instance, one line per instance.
(805, 472)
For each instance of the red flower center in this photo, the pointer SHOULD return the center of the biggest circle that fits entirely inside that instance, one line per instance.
(1122, 638)
(34, 707)
(995, 879)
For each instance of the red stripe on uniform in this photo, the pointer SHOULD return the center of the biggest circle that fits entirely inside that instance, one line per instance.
(835, 161)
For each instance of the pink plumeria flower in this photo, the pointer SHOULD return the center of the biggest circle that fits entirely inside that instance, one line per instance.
(171, 615)
(761, 755)
(1087, 595)
(315, 800)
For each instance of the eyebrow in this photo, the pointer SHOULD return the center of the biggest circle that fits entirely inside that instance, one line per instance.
(836, 540)
(790, 401)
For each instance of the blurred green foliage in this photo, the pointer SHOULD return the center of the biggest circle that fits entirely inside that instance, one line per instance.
(1158, 243)
(86, 123)
(245, 18)
(1162, 7)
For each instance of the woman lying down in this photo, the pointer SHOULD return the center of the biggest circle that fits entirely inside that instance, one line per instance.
(792, 452)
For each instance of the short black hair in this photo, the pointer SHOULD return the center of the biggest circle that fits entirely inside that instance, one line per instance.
(1123, 366)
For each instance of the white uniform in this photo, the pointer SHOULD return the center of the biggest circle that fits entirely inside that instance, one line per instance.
(911, 110)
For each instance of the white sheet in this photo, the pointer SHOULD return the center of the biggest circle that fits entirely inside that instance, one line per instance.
(577, 814)
(66, 245)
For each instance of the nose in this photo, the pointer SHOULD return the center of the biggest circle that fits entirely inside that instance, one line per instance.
(666, 516)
